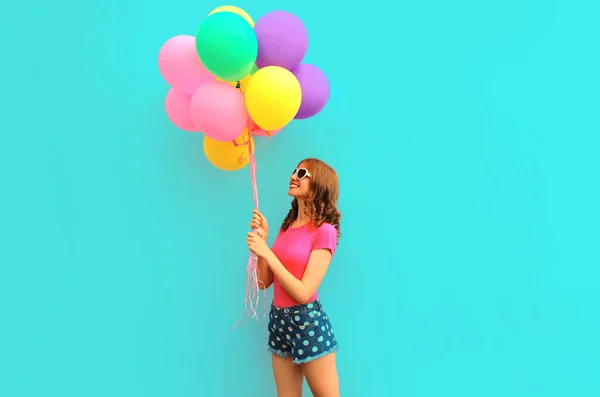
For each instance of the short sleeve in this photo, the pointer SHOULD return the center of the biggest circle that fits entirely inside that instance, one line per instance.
(326, 238)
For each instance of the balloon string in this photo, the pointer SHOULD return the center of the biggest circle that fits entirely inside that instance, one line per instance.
(252, 295)
(252, 127)
(256, 289)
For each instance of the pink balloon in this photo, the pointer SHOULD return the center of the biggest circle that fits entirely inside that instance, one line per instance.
(177, 105)
(180, 65)
(256, 130)
(219, 111)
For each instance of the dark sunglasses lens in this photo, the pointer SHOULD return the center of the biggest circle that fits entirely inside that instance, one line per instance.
(301, 173)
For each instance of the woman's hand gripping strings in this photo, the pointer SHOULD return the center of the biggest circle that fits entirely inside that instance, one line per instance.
(261, 227)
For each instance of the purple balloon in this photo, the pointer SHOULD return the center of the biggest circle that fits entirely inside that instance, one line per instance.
(282, 40)
(315, 90)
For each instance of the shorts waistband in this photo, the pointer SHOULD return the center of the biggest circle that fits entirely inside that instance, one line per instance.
(314, 305)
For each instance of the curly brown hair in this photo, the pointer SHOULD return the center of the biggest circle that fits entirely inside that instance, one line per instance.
(321, 205)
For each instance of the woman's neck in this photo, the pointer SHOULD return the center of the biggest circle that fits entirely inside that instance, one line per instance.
(301, 218)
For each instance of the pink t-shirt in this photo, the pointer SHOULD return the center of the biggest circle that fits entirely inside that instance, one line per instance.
(293, 248)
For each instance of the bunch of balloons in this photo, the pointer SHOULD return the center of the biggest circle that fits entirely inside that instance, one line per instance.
(236, 79)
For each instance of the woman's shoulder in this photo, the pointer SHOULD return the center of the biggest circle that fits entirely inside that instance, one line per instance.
(325, 228)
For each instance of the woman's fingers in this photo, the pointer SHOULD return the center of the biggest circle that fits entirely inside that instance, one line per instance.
(260, 216)
(258, 222)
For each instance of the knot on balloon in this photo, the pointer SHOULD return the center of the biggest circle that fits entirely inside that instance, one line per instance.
(252, 126)
(238, 85)
(255, 129)
(244, 142)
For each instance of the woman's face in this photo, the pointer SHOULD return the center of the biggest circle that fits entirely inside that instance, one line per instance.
(300, 183)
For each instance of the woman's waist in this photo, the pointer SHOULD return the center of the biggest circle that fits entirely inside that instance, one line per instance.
(278, 307)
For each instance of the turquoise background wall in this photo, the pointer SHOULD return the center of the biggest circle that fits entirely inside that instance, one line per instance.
(466, 136)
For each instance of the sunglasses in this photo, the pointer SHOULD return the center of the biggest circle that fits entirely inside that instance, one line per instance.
(300, 173)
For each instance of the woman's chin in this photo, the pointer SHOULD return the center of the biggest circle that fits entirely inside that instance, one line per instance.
(294, 192)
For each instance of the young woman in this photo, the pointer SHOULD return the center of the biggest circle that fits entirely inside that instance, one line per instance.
(301, 340)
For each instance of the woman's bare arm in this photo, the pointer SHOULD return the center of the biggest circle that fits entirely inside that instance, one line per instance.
(301, 290)
(265, 275)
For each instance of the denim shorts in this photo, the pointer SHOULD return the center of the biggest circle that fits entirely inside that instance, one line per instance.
(302, 332)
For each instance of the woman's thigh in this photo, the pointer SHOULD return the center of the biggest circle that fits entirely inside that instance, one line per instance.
(322, 377)
(288, 377)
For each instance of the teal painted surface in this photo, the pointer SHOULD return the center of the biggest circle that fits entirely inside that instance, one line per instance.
(466, 136)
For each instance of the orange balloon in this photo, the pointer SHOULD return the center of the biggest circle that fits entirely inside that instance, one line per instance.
(229, 156)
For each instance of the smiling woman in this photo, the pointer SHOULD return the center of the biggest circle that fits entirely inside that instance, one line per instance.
(301, 338)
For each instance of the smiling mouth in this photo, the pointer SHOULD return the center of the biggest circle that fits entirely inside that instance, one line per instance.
(293, 185)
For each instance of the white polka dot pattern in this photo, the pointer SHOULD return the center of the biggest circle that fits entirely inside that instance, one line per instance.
(302, 332)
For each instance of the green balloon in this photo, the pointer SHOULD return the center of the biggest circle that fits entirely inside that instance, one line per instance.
(227, 46)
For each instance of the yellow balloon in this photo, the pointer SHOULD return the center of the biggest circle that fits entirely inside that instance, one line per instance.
(227, 155)
(243, 83)
(273, 97)
(235, 10)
